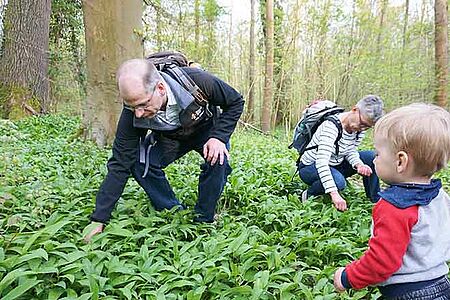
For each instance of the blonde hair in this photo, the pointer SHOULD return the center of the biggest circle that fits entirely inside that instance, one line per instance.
(421, 130)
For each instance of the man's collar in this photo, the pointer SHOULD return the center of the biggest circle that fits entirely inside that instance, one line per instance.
(170, 97)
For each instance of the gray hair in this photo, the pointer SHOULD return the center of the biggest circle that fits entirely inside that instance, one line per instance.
(140, 68)
(151, 77)
(371, 106)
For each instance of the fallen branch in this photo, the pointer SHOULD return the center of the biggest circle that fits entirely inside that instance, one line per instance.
(251, 126)
(30, 109)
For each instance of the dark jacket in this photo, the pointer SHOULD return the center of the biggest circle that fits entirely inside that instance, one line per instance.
(126, 144)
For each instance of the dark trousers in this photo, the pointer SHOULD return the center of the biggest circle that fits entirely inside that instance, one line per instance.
(212, 179)
(439, 290)
(310, 176)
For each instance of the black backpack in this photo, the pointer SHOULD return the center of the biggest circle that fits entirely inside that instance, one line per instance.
(171, 62)
(312, 117)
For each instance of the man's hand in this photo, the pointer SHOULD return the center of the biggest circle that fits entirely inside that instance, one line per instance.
(93, 229)
(363, 170)
(338, 201)
(214, 150)
(337, 280)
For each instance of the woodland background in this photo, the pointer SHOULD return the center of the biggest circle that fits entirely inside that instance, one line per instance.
(59, 108)
(61, 55)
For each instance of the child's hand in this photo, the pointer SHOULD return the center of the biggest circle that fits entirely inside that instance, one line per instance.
(338, 201)
(364, 170)
(337, 280)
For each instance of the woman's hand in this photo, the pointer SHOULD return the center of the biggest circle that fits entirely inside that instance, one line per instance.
(363, 170)
(338, 201)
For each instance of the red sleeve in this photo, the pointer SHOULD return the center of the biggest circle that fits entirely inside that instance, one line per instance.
(391, 234)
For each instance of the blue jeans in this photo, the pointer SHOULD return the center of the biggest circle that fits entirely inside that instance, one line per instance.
(212, 179)
(309, 175)
(439, 290)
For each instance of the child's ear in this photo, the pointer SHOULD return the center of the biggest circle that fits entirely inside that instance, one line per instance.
(403, 161)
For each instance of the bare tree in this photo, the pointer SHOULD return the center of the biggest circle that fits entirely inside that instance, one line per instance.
(383, 7)
(252, 67)
(24, 60)
(197, 25)
(268, 83)
(110, 30)
(441, 51)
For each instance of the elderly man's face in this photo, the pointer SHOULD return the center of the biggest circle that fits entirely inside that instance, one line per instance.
(145, 104)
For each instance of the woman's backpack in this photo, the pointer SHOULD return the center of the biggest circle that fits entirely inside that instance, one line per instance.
(314, 115)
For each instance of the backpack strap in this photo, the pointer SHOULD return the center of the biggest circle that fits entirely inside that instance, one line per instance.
(180, 75)
(339, 136)
(146, 143)
(338, 124)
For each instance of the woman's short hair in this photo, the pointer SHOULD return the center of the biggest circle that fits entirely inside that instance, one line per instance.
(371, 106)
(421, 130)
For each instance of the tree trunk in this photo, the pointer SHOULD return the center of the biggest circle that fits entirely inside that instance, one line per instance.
(159, 23)
(384, 4)
(405, 25)
(197, 28)
(252, 67)
(404, 42)
(2, 17)
(110, 27)
(230, 45)
(441, 54)
(24, 61)
(349, 65)
(268, 83)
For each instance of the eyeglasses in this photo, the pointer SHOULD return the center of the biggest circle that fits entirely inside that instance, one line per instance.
(363, 125)
(141, 106)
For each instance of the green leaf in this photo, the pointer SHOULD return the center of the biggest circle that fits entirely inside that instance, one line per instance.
(262, 279)
(21, 289)
(196, 294)
(126, 291)
(118, 231)
(38, 253)
(50, 230)
(13, 275)
(93, 286)
(237, 242)
(70, 277)
(55, 293)
(86, 296)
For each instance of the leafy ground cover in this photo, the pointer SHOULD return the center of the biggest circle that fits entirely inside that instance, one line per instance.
(265, 245)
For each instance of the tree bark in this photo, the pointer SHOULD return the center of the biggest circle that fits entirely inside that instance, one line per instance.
(405, 24)
(110, 31)
(441, 51)
(268, 83)
(252, 67)
(384, 4)
(197, 27)
(24, 61)
(159, 35)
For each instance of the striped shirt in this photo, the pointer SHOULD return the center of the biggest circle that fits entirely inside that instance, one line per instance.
(325, 155)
